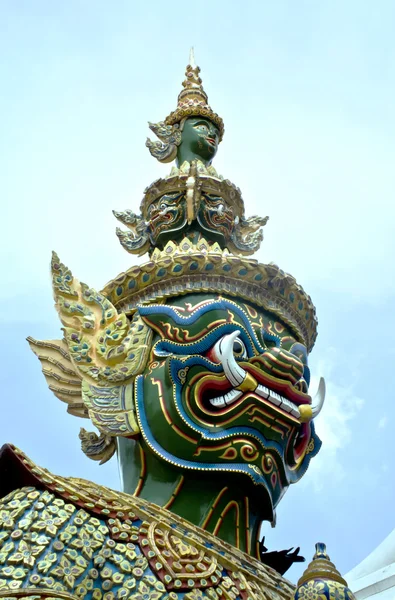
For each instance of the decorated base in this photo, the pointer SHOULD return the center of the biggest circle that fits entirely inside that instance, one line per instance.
(66, 537)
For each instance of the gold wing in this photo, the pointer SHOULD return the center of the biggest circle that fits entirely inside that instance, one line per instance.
(104, 352)
(61, 376)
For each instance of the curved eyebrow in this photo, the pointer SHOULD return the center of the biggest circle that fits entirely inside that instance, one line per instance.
(202, 123)
(210, 126)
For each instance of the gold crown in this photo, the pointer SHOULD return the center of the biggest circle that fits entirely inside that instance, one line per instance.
(198, 185)
(205, 179)
(193, 100)
(189, 267)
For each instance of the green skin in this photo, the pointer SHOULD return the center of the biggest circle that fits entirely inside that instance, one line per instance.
(199, 141)
(197, 495)
(193, 494)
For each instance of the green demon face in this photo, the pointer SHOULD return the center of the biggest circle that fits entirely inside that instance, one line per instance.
(226, 389)
(199, 140)
(167, 216)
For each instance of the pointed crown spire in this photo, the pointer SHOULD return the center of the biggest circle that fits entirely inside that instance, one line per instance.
(322, 580)
(193, 100)
(192, 57)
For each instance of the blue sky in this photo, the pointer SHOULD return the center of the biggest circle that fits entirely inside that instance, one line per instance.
(306, 91)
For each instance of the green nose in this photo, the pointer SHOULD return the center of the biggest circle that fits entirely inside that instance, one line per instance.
(282, 364)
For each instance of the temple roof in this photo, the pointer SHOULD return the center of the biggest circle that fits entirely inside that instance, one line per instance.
(374, 577)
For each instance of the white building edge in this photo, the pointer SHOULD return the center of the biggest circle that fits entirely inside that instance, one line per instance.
(374, 577)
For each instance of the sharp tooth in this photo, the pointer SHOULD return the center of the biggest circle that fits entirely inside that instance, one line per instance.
(224, 349)
(227, 399)
(278, 400)
(290, 407)
(218, 402)
(262, 391)
(275, 399)
(232, 396)
(319, 399)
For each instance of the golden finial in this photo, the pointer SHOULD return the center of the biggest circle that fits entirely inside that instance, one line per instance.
(192, 57)
(193, 100)
(322, 580)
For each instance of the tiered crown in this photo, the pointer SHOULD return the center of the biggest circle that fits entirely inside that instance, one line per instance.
(193, 225)
(193, 100)
(190, 267)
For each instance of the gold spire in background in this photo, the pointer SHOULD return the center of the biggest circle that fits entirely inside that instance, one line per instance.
(321, 580)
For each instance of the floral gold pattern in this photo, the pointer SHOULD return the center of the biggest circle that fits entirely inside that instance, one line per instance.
(321, 580)
(76, 540)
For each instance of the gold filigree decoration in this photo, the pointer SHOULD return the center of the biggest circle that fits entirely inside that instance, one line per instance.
(192, 100)
(102, 349)
(104, 346)
(97, 447)
(60, 374)
(169, 273)
(81, 538)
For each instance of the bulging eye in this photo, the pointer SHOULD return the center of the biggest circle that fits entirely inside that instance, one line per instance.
(239, 349)
(226, 346)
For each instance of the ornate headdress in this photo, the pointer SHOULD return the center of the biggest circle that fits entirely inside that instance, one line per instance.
(193, 225)
(194, 363)
(322, 580)
(185, 267)
(192, 102)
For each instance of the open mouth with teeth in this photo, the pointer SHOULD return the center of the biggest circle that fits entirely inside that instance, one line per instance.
(245, 395)
(231, 395)
(219, 395)
(213, 399)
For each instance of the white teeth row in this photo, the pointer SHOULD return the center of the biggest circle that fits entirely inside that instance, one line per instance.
(263, 391)
(227, 399)
(278, 400)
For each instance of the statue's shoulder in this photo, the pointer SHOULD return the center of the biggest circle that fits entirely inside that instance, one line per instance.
(18, 471)
(73, 536)
(14, 472)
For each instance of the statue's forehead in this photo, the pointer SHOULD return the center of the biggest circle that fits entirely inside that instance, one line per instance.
(197, 119)
(257, 316)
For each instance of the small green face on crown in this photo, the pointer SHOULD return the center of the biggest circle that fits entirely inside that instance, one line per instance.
(199, 140)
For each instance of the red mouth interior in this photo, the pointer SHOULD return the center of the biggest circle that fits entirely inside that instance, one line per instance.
(218, 387)
(213, 388)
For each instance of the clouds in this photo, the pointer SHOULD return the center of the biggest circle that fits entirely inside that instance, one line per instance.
(382, 422)
(306, 91)
(334, 426)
